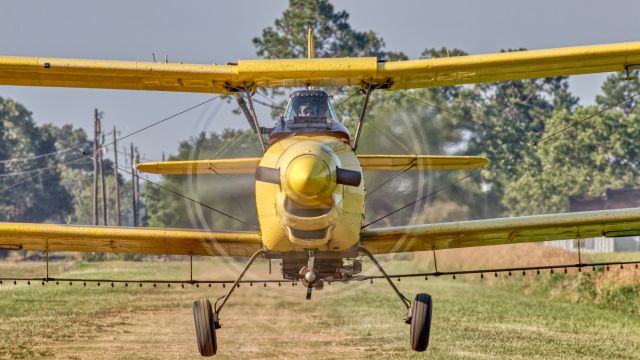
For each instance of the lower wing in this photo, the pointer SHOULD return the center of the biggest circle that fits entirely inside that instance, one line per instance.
(16, 236)
(578, 225)
(368, 162)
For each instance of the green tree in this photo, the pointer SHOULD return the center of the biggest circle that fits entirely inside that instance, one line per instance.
(30, 187)
(333, 35)
(507, 119)
(584, 159)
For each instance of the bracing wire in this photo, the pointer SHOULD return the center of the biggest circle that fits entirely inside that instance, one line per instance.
(575, 123)
(470, 174)
(440, 108)
(348, 98)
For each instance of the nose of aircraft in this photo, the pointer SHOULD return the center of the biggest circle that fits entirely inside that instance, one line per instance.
(308, 177)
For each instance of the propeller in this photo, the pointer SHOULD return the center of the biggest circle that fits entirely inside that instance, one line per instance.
(343, 176)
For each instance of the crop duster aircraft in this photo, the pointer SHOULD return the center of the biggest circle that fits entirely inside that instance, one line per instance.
(309, 188)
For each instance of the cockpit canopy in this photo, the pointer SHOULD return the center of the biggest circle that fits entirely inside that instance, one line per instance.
(309, 112)
(309, 103)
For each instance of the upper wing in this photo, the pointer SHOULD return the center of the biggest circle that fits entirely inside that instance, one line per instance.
(204, 78)
(15, 236)
(610, 223)
(222, 166)
(420, 162)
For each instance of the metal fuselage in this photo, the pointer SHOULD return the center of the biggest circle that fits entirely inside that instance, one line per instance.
(309, 210)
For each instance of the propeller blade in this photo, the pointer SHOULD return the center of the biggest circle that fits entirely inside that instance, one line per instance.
(309, 290)
(269, 175)
(348, 177)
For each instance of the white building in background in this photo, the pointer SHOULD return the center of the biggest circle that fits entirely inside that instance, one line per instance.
(613, 199)
(598, 245)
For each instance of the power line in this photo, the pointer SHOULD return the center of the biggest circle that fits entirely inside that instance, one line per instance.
(168, 189)
(39, 172)
(164, 119)
(34, 157)
(32, 171)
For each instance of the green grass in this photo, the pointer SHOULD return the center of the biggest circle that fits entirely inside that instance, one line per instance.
(614, 256)
(472, 320)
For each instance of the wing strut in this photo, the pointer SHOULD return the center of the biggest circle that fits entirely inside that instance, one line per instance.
(363, 112)
(251, 116)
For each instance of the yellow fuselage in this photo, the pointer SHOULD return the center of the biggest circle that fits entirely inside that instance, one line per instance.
(308, 210)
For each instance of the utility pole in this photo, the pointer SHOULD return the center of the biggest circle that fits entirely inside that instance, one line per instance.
(116, 177)
(137, 182)
(95, 166)
(133, 188)
(102, 177)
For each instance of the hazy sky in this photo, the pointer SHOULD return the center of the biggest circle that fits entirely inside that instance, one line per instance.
(221, 31)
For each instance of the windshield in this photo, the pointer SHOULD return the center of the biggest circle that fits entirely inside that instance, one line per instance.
(309, 112)
(309, 103)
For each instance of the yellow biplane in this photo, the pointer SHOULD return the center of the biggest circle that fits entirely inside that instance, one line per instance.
(309, 188)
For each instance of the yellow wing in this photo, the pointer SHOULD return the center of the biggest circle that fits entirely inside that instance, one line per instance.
(15, 236)
(368, 162)
(318, 72)
(222, 166)
(610, 223)
(420, 162)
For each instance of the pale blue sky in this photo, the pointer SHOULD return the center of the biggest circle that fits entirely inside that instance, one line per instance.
(221, 31)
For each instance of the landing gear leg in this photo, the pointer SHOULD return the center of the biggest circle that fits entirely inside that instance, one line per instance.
(418, 313)
(311, 277)
(207, 321)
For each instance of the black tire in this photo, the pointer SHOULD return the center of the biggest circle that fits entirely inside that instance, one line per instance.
(205, 327)
(421, 322)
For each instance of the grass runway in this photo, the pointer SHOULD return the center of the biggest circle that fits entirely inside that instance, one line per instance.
(345, 321)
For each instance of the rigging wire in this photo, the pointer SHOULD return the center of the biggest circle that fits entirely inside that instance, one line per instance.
(392, 139)
(273, 105)
(470, 174)
(347, 99)
(440, 108)
(573, 124)
(390, 178)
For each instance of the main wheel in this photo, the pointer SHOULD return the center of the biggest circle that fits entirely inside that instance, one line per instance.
(420, 322)
(205, 327)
